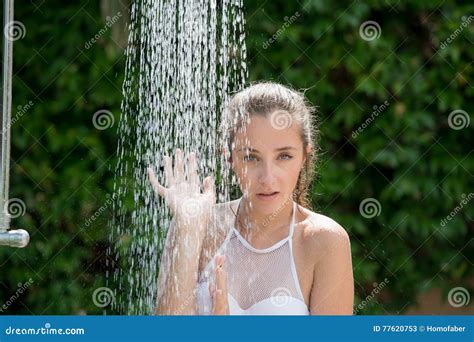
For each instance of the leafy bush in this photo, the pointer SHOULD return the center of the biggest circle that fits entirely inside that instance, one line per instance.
(403, 153)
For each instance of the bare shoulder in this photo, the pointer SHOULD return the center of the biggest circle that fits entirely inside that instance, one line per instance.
(322, 233)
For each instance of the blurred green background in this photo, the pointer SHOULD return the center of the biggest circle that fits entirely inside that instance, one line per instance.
(408, 157)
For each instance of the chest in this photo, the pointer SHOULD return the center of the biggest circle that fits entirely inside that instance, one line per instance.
(251, 269)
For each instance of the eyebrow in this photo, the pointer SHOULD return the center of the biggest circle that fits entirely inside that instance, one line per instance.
(278, 149)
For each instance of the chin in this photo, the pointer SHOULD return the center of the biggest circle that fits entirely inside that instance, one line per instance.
(267, 205)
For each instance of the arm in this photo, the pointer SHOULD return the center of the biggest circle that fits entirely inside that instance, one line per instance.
(179, 265)
(178, 273)
(333, 285)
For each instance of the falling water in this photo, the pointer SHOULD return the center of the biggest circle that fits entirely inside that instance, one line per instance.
(184, 58)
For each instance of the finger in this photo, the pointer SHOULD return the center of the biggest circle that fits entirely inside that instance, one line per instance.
(159, 190)
(221, 305)
(221, 276)
(218, 307)
(213, 293)
(192, 171)
(179, 166)
(211, 289)
(169, 178)
(208, 185)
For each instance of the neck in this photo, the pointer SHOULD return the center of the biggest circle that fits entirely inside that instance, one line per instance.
(250, 219)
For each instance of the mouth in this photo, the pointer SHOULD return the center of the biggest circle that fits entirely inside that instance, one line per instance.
(267, 195)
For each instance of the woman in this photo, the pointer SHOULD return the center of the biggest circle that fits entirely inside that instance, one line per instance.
(265, 253)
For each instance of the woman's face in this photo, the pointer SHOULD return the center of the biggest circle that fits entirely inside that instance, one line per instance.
(267, 159)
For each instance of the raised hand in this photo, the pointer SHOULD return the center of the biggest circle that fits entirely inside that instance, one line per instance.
(183, 194)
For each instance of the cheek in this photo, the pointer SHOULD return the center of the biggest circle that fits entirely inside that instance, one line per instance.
(293, 173)
(240, 170)
(246, 174)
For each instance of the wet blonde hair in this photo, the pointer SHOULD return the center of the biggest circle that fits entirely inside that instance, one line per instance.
(283, 106)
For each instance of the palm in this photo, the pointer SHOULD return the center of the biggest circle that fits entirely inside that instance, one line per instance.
(183, 194)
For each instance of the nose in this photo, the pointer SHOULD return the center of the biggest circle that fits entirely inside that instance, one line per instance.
(267, 175)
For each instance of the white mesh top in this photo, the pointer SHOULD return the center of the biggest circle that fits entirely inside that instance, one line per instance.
(259, 281)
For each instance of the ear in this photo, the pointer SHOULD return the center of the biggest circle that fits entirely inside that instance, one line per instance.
(309, 147)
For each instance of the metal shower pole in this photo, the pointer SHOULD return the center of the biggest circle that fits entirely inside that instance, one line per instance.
(13, 238)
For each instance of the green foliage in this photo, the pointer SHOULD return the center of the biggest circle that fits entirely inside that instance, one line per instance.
(407, 157)
(60, 163)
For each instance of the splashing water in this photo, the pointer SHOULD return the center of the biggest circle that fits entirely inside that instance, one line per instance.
(184, 58)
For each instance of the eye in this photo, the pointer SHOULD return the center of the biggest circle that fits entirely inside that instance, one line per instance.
(286, 156)
(249, 158)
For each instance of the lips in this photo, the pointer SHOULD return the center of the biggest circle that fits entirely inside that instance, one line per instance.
(267, 196)
(267, 193)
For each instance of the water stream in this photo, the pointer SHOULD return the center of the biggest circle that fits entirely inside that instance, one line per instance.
(184, 59)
